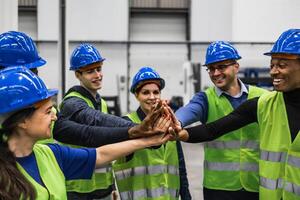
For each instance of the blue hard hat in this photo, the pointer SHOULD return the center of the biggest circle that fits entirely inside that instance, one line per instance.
(219, 51)
(18, 49)
(287, 43)
(84, 54)
(20, 88)
(145, 74)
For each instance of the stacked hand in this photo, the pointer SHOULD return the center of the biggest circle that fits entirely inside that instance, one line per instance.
(160, 121)
(155, 122)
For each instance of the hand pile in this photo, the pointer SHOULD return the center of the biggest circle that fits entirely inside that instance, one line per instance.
(160, 121)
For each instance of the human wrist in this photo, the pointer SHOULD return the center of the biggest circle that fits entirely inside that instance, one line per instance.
(132, 132)
(183, 135)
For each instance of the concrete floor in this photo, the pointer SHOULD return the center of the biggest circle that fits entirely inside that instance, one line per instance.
(193, 154)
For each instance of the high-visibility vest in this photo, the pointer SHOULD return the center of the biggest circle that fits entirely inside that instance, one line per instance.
(50, 172)
(231, 161)
(102, 177)
(151, 174)
(280, 158)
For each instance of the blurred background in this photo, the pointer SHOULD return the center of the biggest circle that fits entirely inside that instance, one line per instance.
(168, 35)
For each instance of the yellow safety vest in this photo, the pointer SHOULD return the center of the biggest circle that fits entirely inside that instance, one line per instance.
(50, 173)
(151, 174)
(102, 177)
(231, 161)
(280, 158)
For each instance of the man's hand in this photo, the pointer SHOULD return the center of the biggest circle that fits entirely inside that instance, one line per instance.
(154, 123)
(182, 135)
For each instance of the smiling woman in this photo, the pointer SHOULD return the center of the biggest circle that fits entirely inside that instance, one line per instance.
(39, 124)
(36, 171)
(25, 103)
(157, 172)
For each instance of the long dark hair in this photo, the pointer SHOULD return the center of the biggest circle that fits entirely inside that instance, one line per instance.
(13, 184)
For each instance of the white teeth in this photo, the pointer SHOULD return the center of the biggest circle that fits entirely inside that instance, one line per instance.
(219, 79)
(277, 81)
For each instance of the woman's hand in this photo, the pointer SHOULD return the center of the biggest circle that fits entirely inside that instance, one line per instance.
(157, 140)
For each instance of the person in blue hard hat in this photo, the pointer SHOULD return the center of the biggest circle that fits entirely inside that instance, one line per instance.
(277, 115)
(18, 49)
(83, 103)
(84, 100)
(143, 174)
(38, 171)
(231, 161)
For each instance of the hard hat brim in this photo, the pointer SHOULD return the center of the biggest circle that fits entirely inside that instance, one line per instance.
(50, 93)
(36, 64)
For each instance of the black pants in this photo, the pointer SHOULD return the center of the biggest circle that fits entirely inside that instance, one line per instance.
(97, 194)
(242, 194)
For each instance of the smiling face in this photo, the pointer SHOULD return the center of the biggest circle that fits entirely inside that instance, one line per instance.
(90, 77)
(285, 74)
(38, 125)
(147, 96)
(223, 74)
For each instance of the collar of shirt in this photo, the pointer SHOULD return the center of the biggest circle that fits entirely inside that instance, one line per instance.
(243, 89)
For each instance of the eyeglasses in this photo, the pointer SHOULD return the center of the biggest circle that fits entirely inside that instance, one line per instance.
(220, 68)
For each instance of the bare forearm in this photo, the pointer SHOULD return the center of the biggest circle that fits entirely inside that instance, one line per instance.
(108, 153)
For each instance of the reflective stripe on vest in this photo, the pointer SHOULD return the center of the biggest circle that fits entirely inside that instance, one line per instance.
(103, 169)
(221, 166)
(150, 193)
(150, 174)
(231, 161)
(271, 184)
(280, 158)
(50, 172)
(102, 177)
(293, 188)
(273, 156)
(233, 144)
(293, 161)
(146, 170)
(278, 184)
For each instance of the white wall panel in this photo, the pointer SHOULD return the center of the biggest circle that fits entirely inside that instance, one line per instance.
(50, 72)
(97, 19)
(252, 55)
(211, 20)
(8, 15)
(264, 20)
(28, 23)
(247, 20)
(157, 27)
(48, 19)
